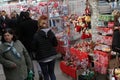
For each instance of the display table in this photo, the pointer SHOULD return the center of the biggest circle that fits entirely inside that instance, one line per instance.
(60, 48)
(74, 73)
(69, 70)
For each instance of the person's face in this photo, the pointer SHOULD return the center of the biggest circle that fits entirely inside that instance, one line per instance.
(44, 23)
(8, 37)
(3, 13)
(116, 27)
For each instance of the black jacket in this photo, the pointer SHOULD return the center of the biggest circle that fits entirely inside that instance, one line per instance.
(44, 45)
(26, 31)
(116, 41)
(4, 23)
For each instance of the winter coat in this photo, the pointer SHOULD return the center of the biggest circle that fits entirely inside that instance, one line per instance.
(7, 59)
(116, 41)
(44, 44)
(4, 23)
(26, 32)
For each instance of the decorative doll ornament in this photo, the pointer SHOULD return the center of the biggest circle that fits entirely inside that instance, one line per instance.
(77, 28)
(55, 5)
(116, 13)
(56, 14)
(83, 36)
(87, 18)
(87, 10)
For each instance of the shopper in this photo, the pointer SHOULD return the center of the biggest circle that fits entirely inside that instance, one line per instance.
(14, 57)
(44, 44)
(13, 20)
(26, 30)
(20, 17)
(4, 20)
(116, 44)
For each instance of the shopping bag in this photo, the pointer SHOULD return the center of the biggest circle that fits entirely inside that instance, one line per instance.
(37, 71)
(30, 75)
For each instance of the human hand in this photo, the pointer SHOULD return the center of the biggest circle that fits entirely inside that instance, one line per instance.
(10, 65)
(13, 65)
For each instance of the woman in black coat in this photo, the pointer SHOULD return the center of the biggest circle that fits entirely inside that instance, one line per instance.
(44, 44)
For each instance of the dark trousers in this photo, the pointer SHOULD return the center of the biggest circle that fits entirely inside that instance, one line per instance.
(48, 70)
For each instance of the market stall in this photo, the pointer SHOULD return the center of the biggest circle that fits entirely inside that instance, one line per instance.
(84, 36)
(78, 47)
(91, 52)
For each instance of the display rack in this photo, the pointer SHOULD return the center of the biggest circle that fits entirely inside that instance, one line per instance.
(103, 40)
(76, 61)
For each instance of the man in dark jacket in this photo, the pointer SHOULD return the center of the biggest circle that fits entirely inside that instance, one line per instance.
(4, 21)
(116, 40)
(27, 28)
(116, 43)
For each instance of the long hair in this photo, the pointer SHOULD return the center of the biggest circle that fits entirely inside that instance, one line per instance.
(42, 17)
(10, 31)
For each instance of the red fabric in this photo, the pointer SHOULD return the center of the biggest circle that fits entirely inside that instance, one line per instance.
(83, 19)
(78, 53)
(101, 64)
(82, 55)
(87, 11)
(60, 47)
(78, 28)
(89, 35)
(55, 5)
(110, 24)
(84, 36)
(72, 50)
(42, 3)
(71, 71)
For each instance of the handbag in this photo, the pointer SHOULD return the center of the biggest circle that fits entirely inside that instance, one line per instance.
(37, 70)
(30, 75)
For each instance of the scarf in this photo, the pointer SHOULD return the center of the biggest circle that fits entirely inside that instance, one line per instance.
(46, 30)
(11, 48)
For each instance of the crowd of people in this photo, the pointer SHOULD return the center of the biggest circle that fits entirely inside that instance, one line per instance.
(23, 40)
